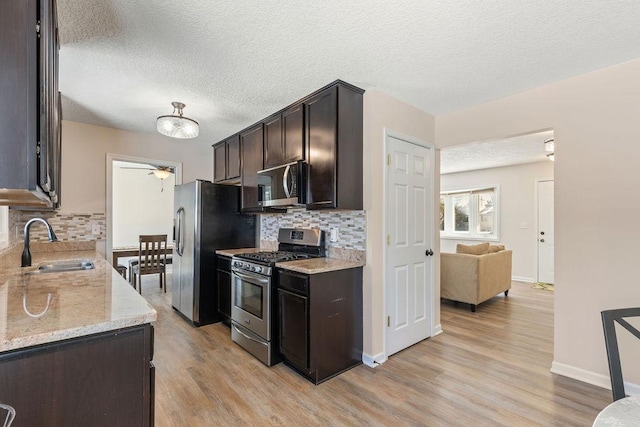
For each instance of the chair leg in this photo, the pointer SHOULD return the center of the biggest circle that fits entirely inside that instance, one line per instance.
(164, 281)
(140, 283)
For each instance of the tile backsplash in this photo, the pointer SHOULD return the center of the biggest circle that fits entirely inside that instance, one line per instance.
(351, 227)
(67, 226)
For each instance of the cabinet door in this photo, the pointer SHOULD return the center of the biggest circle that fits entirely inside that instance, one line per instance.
(219, 162)
(233, 157)
(321, 130)
(294, 328)
(293, 134)
(273, 141)
(101, 380)
(224, 293)
(251, 153)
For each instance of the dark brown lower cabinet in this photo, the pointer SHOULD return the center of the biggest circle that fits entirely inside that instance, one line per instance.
(224, 288)
(105, 379)
(320, 321)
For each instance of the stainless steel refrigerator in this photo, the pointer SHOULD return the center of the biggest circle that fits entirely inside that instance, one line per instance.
(206, 218)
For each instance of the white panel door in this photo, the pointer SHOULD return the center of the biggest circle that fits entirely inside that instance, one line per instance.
(409, 233)
(545, 232)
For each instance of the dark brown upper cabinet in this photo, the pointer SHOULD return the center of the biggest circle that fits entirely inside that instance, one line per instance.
(251, 149)
(30, 123)
(333, 127)
(284, 137)
(226, 160)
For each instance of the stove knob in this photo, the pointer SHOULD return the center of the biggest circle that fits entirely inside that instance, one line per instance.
(257, 269)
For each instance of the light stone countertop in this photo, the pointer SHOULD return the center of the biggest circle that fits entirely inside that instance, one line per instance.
(318, 265)
(80, 302)
(307, 266)
(232, 252)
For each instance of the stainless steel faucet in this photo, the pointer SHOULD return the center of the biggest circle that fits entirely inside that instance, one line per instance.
(26, 253)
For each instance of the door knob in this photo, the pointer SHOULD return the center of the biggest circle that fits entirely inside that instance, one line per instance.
(429, 252)
(542, 240)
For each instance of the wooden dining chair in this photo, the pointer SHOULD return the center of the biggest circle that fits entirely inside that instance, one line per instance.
(152, 259)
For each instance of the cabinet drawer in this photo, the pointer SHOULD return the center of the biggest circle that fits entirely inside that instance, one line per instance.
(294, 282)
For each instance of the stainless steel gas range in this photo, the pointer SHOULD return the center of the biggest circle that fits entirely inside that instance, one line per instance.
(253, 283)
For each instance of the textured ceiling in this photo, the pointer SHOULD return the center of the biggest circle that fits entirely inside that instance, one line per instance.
(490, 154)
(234, 62)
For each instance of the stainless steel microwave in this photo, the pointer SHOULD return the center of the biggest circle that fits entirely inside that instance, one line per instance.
(283, 185)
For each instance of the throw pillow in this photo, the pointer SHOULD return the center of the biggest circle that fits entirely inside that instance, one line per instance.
(495, 248)
(479, 249)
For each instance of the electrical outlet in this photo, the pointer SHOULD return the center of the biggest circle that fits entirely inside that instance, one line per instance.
(333, 237)
(95, 229)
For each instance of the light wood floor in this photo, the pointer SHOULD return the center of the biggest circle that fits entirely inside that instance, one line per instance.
(487, 368)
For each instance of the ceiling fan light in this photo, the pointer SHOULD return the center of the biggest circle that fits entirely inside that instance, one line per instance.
(161, 173)
(177, 126)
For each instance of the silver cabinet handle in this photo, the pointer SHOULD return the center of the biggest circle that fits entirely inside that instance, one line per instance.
(11, 414)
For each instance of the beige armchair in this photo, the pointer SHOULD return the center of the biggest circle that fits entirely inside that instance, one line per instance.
(473, 279)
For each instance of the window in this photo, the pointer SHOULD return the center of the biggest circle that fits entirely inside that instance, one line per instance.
(470, 214)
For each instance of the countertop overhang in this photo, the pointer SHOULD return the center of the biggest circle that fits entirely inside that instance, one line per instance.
(43, 308)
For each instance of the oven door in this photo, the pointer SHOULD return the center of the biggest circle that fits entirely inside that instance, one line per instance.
(251, 302)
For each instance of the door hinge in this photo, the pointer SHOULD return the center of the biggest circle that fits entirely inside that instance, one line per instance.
(388, 321)
(388, 159)
(388, 239)
(38, 149)
(38, 28)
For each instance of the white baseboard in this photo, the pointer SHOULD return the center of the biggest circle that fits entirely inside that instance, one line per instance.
(437, 330)
(375, 360)
(523, 279)
(591, 378)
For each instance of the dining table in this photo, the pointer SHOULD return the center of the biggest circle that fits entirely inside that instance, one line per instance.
(129, 251)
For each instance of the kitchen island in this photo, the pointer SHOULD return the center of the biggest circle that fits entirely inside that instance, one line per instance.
(75, 347)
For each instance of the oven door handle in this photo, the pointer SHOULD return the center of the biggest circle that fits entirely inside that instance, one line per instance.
(247, 336)
(251, 279)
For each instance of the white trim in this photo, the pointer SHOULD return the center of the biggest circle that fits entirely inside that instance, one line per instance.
(373, 360)
(591, 377)
(437, 329)
(4, 226)
(110, 158)
(473, 218)
(523, 279)
(536, 208)
(386, 133)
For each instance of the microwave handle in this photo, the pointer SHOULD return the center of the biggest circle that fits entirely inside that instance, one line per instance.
(285, 181)
(301, 181)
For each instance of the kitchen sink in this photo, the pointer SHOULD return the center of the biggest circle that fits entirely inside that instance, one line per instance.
(62, 266)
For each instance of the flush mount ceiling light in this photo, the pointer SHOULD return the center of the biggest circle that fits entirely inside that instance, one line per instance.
(177, 126)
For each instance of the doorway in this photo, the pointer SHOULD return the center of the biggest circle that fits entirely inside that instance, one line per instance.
(409, 231)
(145, 190)
(545, 232)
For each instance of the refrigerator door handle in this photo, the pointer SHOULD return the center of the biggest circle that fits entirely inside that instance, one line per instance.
(179, 242)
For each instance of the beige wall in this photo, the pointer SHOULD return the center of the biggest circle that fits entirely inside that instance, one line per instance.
(84, 150)
(595, 118)
(517, 205)
(380, 111)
